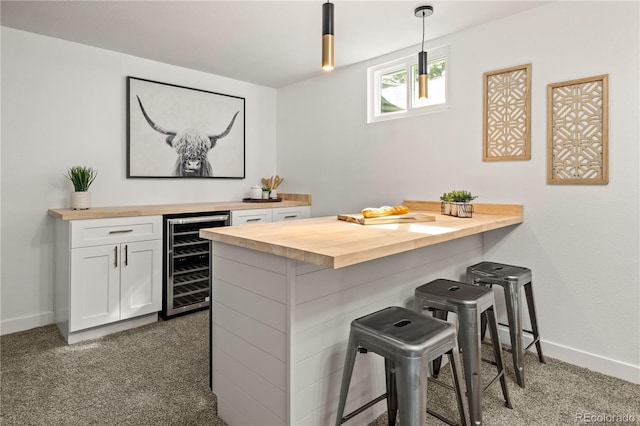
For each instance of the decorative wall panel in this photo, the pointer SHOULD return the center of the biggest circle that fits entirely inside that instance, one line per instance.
(507, 117)
(577, 131)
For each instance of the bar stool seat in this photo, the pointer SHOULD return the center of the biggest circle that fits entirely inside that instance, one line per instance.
(511, 279)
(408, 341)
(469, 302)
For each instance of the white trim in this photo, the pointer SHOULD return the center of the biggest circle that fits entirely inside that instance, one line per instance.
(291, 335)
(28, 322)
(601, 364)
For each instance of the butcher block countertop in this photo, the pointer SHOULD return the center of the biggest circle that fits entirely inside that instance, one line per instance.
(333, 243)
(288, 200)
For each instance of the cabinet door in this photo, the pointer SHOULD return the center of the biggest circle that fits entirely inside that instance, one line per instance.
(141, 278)
(95, 286)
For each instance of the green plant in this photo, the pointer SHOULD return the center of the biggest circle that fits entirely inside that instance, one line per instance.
(458, 196)
(266, 188)
(463, 197)
(447, 197)
(82, 177)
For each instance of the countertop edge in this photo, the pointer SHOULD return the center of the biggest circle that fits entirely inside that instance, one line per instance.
(289, 200)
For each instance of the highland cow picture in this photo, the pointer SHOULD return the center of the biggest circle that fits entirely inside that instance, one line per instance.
(180, 132)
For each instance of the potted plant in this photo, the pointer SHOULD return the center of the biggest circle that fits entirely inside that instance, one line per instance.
(82, 177)
(266, 191)
(457, 203)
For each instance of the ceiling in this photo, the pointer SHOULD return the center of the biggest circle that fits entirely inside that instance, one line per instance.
(270, 43)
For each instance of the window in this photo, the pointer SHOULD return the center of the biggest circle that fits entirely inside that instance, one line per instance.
(393, 87)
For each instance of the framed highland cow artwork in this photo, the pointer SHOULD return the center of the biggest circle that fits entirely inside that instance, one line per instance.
(180, 132)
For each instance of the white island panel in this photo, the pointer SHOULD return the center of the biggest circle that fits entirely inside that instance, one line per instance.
(306, 333)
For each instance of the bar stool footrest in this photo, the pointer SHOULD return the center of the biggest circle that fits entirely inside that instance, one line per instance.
(364, 407)
(443, 384)
(442, 418)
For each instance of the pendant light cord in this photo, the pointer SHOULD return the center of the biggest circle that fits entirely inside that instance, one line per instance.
(423, 30)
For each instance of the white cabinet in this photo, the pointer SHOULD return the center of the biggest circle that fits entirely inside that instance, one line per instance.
(108, 275)
(241, 217)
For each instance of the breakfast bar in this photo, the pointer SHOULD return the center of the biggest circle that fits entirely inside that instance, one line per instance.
(284, 295)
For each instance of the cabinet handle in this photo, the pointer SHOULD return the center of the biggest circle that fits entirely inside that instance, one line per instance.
(257, 219)
(126, 255)
(293, 216)
(121, 231)
(115, 249)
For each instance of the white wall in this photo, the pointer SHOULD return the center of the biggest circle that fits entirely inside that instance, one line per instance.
(582, 242)
(63, 104)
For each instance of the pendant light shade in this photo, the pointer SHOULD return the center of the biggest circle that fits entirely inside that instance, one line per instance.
(423, 76)
(423, 69)
(327, 36)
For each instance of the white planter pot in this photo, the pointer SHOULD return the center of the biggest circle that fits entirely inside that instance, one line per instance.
(80, 200)
(265, 195)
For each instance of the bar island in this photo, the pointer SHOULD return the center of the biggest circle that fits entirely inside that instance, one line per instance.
(285, 293)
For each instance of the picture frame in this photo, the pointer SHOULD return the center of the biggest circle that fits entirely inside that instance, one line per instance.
(578, 131)
(506, 125)
(180, 132)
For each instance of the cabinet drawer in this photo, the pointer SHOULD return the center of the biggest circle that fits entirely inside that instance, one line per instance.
(240, 217)
(291, 213)
(95, 232)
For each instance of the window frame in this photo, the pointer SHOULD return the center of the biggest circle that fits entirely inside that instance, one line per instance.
(375, 73)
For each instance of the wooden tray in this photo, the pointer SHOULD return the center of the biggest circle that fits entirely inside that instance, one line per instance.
(261, 200)
(402, 218)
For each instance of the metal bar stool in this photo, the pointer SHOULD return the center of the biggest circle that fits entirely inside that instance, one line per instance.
(407, 341)
(511, 279)
(469, 302)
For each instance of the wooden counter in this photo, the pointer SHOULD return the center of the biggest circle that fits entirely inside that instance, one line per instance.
(289, 200)
(333, 243)
(284, 295)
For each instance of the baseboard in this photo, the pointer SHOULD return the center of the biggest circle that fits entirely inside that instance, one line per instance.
(604, 365)
(28, 322)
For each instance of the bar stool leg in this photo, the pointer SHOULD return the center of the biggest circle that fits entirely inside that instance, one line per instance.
(454, 360)
(470, 344)
(392, 391)
(412, 391)
(437, 363)
(534, 322)
(497, 351)
(514, 314)
(347, 372)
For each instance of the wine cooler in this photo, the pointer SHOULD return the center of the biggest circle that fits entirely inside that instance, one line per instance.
(187, 262)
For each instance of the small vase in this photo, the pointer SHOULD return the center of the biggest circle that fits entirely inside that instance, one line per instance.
(274, 193)
(80, 200)
(265, 195)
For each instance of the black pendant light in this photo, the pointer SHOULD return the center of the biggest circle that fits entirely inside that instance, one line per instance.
(327, 36)
(423, 72)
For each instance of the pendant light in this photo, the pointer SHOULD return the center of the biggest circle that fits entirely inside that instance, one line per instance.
(327, 36)
(423, 73)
